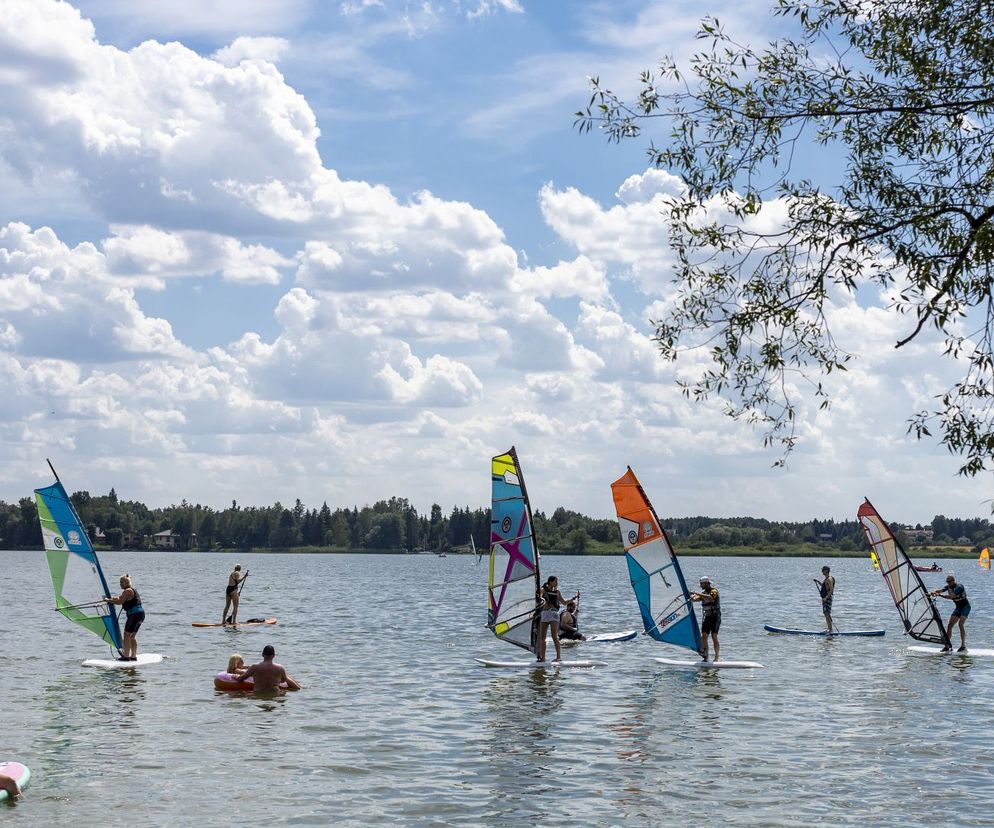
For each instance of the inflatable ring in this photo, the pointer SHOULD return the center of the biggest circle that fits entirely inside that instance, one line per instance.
(226, 681)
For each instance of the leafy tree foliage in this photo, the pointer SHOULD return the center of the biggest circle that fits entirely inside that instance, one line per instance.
(904, 89)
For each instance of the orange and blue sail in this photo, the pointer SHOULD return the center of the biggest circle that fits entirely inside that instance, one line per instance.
(79, 582)
(514, 587)
(660, 590)
(985, 558)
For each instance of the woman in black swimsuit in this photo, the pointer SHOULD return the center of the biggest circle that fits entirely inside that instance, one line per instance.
(231, 595)
(131, 602)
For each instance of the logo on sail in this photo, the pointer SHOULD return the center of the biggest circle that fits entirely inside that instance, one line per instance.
(647, 530)
(58, 542)
(505, 525)
(73, 537)
(633, 536)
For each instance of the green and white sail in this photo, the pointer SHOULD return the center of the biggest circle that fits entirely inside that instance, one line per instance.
(80, 586)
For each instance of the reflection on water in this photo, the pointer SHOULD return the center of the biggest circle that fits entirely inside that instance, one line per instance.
(397, 726)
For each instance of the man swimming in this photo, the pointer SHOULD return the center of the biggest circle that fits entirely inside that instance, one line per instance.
(267, 674)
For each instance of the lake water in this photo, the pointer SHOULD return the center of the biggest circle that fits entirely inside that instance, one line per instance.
(397, 725)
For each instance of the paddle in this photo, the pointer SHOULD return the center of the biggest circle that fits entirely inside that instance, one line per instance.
(241, 585)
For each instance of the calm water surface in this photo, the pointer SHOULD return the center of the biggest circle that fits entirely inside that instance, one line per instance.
(398, 726)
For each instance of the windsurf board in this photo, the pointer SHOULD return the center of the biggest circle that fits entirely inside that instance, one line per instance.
(113, 664)
(539, 665)
(710, 665)
(835, 633)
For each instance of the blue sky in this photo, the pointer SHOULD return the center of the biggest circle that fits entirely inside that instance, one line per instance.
(348, 250)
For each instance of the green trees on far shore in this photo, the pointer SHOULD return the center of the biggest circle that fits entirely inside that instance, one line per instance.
(394, 525)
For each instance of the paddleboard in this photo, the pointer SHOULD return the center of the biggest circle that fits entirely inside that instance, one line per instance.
(114, 664)
(540, 665)
(936, 651)
(16, 771)
(788, 631)
(710, 665)
(239, 624)
(603, 638)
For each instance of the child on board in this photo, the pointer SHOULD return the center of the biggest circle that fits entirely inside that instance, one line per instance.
(569, 623)
(961, 609)
(711, 616)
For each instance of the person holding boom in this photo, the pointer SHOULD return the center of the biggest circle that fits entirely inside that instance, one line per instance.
(710, 616)
(961, 609)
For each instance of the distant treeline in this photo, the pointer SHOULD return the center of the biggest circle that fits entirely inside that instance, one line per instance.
(395, 526)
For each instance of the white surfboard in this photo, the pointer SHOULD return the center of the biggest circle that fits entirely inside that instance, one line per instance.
(539, 665)
(710, 665)
(114, 664)
(602, 638)
(935, 651)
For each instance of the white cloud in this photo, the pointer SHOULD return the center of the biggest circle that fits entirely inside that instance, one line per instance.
(149, 255)
(269, 49)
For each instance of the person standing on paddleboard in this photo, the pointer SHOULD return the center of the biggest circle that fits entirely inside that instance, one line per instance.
(957, 593)
(826, 588)
(711, 616)
(131, 602)
(267, 674)
(549, 618)
(231, 595)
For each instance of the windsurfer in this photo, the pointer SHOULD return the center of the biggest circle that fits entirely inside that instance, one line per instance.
(826, 588)
(267, 674)
(711, 621)
(961, 609)
(569, 624)
(131, 602)
(549, 618)
(231, 594)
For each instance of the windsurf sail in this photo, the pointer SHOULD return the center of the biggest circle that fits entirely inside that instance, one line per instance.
(914, 603)
(876, 561)
(79, 582)
(514, 593)
(653, 568)
(985, 558)
(473, 550)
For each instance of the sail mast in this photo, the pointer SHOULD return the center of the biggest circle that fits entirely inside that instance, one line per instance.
(915, 605)
(653, 567)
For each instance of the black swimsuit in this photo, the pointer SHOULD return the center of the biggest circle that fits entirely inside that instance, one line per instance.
(134, 610)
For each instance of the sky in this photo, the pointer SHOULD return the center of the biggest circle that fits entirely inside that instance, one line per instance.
(343, 250)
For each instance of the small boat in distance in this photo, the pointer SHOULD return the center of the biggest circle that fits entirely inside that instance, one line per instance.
(932, 568)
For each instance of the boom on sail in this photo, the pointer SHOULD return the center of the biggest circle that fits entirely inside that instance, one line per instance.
(917, 609)
(653, 568)
(514, 590)
(76, 574)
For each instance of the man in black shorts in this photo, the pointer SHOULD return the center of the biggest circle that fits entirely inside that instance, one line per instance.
(711, 620)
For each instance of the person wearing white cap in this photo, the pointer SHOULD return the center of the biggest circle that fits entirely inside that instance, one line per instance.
(711, 616)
